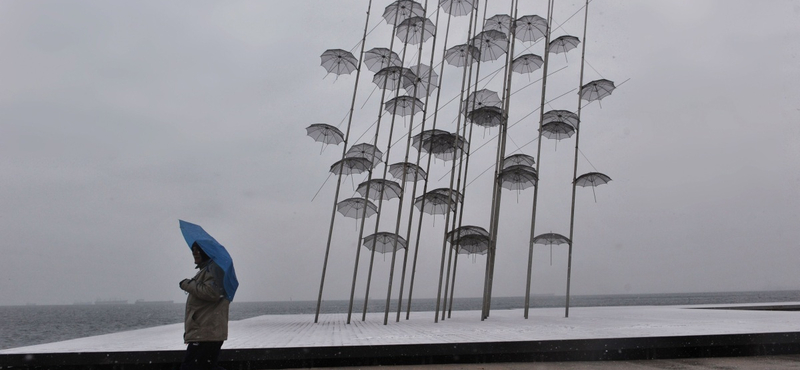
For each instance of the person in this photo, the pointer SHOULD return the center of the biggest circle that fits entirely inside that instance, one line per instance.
(206, 321)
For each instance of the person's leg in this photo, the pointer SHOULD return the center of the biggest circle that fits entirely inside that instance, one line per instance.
(201, 356)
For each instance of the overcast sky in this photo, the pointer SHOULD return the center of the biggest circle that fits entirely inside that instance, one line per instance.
(117, 119)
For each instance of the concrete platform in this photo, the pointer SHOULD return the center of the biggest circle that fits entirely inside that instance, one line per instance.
(590, 333)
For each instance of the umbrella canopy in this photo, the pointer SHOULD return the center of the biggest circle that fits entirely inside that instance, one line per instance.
(560, 115)
(550, 239)
(457, 8)
(487, 116)
(481, 98)
(563, 44)
(492, 44)
(356, 207)
(530, 28)
(472, 244)
(427, 80)
(195, 234)
(351, 166)
(526, 63)
(519, 177)
(338, 61)
(325, 133)
(401, 10)
(403, 105)
(466, 230)
(412, 171)
(384, 241)
(557, 130)
(518, 159)
(441, 144)
(436, 202)
(378, 188)
(592, 179)
(380, 58)
(499, 22)
(392, 77)
(415, 30)
(462, 55)
(367, 151)
(597, 90)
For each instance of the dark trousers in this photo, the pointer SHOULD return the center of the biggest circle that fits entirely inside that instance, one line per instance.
(201, 356)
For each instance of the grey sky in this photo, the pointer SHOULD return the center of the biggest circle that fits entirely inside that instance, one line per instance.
(119, 118)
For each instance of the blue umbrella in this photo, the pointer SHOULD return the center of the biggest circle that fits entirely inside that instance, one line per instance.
(195, 234)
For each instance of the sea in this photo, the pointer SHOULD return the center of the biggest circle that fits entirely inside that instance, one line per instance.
(36, 324)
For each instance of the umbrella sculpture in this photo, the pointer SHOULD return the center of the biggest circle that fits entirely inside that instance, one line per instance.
(462, 55)
(415, 30)
(391, 77)
(530, 28)
(526, 63)
(427, 80)
(367, 151)
(325, 134)
(466, 230)
(403, 105)
(557, 130)
(481, 98)
(412, 171)
(518, 177)
(518, 159)
(597, 90)
(195, 234)
(351, 166)
(563, 44)
(401, 10)
(492, 44)
(388, 188)
(560, 115)
(439, 143)
(384, 241)
(436, 201)
(356, 208)
(380, 58)
(457, 8)
(487, 116)
(551, 239)
(592, 179)
(499, 22)
(421, 141)
(472, 244)
(338, 61)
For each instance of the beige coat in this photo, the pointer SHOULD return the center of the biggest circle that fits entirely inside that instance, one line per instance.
(206, 307)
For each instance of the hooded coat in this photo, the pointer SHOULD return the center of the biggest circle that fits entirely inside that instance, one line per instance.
(206, 307)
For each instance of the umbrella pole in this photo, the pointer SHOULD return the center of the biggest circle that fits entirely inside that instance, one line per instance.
(496, 189)
(428, 166)
(575, 168)
(416, 178)
(339, 181)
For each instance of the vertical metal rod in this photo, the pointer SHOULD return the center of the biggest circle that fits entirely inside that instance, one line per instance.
(550, 6)
(339, 180)
(575, 168)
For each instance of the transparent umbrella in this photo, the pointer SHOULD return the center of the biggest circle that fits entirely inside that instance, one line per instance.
(518, 159)
(492, 44)
(380, 187)
(351, 166)
(338, 61)
(592, 179)
(517, 177)
(403, 105)
(526, 63)
(412, 171)
(400, 10)
(392, 77)
(487, 116)
(425, 82)
(563, 44)
(415, 30)
(530, 28)
(380, 58)
(551, 239)
(597, 90)
(462, 55)
(481, 98)
(325, 134)
(356, 207)
(367, 151)
(457, 8)
(499, 22)
(560, 115)
(383, 242)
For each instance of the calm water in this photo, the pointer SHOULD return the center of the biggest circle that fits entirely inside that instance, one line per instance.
(27, 325)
